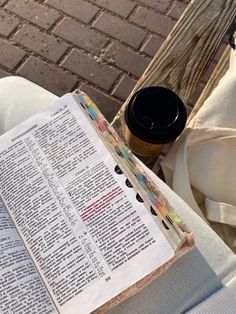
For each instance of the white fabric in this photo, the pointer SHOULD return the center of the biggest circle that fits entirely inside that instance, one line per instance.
(201, 165)
(223, 301)
(200, 273)
(20, 99)
(221, 212)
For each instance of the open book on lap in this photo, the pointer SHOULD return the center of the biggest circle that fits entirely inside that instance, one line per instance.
(81, 226)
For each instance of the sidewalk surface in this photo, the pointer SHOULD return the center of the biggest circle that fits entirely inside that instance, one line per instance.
(101, 46)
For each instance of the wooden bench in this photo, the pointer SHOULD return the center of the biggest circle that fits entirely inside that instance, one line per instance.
(187, 53)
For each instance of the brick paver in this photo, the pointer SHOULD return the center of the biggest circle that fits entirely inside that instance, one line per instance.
(126, 59)
(4, 73)
(177, 9)
(89, 68)
(33, 12)
(7, 23)
(10, 55)
(47, 76)
(80, 35)
(153, 21)
(152, 45)
(101, 46)
(120, 7)
(120, 29)
(160, 5)
(81, 10)
(41, 43)
(124, 87)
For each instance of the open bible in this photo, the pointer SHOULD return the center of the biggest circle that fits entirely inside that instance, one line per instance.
(82, 227)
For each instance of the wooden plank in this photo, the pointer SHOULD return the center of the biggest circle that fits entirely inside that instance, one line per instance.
(187, 52)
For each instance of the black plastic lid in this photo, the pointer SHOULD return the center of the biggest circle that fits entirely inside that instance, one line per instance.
(156, 115)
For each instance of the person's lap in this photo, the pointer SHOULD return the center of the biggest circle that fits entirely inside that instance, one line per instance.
(20, 99)
(191, 279)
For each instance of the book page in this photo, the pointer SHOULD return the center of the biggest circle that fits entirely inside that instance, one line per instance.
(88, 234)
(21, 289)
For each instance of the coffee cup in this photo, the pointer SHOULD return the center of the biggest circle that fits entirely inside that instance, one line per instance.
(154, 117)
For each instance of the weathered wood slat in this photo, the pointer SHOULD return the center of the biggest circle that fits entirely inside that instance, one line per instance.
(187, 52)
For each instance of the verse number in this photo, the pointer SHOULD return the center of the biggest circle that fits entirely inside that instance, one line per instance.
(107, 279)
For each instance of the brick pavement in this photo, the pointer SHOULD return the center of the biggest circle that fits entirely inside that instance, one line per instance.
(102, 46)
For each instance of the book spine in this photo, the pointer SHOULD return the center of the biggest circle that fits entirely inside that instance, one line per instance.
(155, 202)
